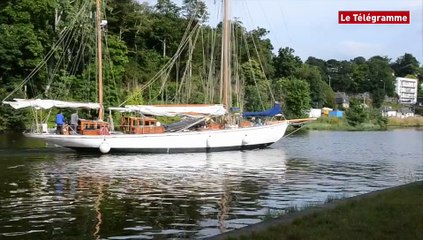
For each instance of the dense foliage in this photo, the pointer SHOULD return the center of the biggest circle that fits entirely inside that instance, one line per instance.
(139, 65)
(295, 96)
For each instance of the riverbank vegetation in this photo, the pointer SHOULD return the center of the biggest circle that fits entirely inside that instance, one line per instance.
(357, 118)
(341, 124)
(372, 123)
(405, 122)
(142, 39)
(390, 214)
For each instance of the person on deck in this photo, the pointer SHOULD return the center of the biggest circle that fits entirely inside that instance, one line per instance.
(60, 120)
(74, 122)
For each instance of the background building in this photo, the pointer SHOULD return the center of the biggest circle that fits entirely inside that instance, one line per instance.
(406, 88)
(341, 99)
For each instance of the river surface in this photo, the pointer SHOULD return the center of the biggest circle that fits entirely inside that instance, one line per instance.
(53, 193)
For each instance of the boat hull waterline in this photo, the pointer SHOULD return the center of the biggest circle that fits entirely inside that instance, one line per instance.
(191, 141)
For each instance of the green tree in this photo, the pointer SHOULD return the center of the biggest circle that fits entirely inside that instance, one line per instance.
(252, 73)
(257, 96)
(320, 92)
(380, 79)
(420, 83)
(328, 96)
(295, 96)
(406, 65)
(25, 29)
(339, 74)
(196, 9)
(320, 64)
(360, 72)
(114, 70)
(356, 114)
(126, 21)
(167, 7)
(261, 49)
(286, 63)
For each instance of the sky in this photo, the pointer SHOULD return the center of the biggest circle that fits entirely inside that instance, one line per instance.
(311, 28)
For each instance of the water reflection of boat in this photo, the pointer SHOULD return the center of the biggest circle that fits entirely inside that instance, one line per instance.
(217, 161)
(204, 186)
(152, 196)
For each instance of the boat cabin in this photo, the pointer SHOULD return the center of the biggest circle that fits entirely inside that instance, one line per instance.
(140, 125)
(87, 127)
(92, 127)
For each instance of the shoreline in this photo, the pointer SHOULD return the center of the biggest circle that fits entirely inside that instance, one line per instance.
(338, 206)
(336, 124)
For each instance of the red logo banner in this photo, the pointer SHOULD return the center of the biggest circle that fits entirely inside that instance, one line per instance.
(374, 17)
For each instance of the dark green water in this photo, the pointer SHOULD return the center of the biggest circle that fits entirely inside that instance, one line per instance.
(52, 193)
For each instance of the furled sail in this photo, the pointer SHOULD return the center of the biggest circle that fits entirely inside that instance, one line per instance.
(47, 104)
(268, 113)
(175, 110)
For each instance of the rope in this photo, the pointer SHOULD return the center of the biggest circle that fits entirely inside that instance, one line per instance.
(252, 73)
(210, 78)
(188, 68)
(237, 68)
(109, 57)
(296, 130)
(262, 69)
(258, 55)
(171, 62)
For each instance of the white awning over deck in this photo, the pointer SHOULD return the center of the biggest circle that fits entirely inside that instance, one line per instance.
(174, 110)
(47, 104)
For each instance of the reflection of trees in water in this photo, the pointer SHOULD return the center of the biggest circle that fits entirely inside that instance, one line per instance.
(238, 195)
(147, 208)
(224, 207)
(154, 207)
(15, 195)
(339, 168)
(106, 203)
(299, 164)
(244, 183)
(88, 199)
(253, 188)
(98, 197)
(15, 141)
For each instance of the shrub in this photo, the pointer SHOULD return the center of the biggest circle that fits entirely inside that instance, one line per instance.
(356, 114)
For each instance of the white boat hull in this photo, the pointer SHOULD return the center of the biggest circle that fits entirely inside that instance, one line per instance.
(192, 141)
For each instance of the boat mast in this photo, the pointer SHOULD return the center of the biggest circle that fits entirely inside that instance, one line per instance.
(226, 56)
(99, 61)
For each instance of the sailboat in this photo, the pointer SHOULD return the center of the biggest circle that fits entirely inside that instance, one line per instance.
(145, 134)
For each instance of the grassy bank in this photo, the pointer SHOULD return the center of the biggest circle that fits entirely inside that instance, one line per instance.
(341, 124)
(405, 122)
(389, 214)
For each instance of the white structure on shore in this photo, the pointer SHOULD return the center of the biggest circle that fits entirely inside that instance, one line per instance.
(401, 113)
(406, 88)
